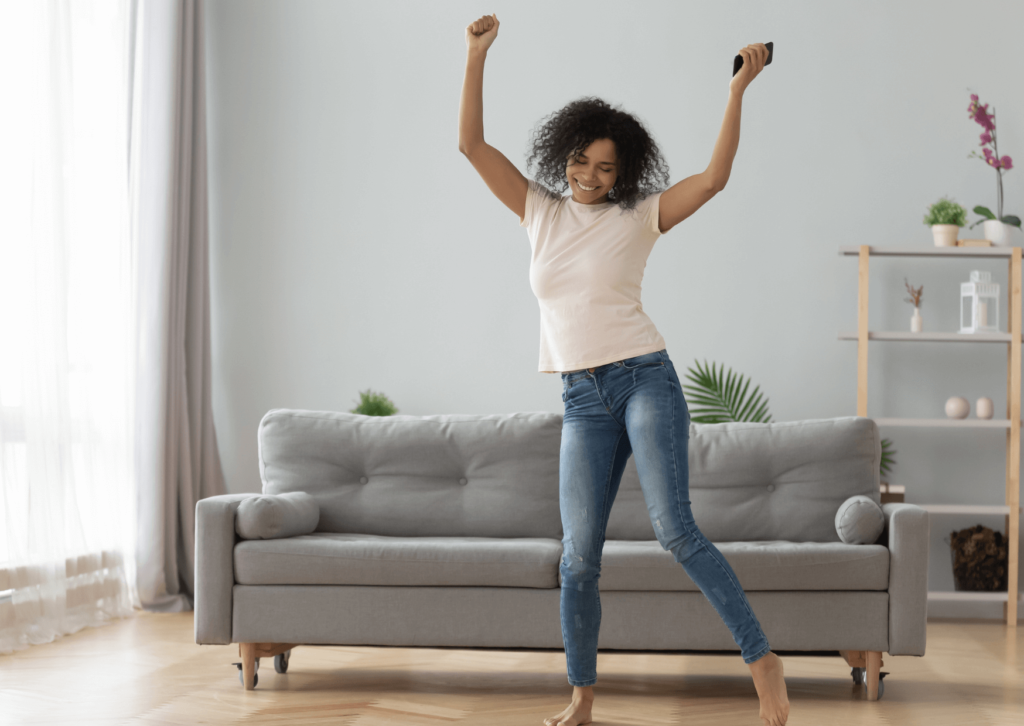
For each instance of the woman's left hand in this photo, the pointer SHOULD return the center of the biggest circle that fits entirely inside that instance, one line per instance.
(754, 56)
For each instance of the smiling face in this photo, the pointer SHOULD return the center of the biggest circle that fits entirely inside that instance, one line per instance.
(597, 166)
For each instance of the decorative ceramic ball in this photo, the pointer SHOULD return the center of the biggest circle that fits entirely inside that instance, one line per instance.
(957, 407)
(984, 408)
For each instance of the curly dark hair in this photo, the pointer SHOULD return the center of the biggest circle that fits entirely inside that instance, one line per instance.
(567, 132)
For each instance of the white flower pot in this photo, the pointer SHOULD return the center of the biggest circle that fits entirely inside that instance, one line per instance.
(915, 321)
(983, 408)
(945, 234)
(998, 232)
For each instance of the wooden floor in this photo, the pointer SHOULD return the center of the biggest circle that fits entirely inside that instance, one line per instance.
(148, 670)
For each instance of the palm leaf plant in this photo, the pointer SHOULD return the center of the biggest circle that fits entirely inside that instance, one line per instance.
(887, 457)
(716, 395)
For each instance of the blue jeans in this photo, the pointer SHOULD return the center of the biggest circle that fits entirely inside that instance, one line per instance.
(633, 406)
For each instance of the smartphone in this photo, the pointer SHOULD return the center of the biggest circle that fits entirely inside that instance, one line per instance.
(737, 62)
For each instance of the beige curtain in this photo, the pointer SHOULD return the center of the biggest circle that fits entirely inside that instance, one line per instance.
(177, 458)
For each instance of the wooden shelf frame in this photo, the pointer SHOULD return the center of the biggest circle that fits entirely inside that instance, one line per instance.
(1011, 424)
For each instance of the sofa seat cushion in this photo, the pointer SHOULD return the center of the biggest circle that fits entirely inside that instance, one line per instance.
(367, 559)
(764, 565)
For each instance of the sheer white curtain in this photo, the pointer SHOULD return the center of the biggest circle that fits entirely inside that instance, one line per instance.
(67, 322)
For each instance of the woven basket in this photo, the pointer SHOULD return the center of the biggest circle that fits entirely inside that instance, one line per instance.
(979, 559)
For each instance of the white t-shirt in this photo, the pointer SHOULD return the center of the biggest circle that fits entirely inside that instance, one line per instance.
(587, 265)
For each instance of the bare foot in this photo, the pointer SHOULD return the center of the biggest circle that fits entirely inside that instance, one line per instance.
(578, 711)
(771, 689)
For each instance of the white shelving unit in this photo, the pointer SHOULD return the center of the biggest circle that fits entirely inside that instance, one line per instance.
(971, 596)
(948, 423)
(966, 508)
(933, 337)
(1011, 424)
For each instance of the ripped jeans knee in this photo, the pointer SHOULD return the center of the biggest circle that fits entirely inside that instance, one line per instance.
(579, 571)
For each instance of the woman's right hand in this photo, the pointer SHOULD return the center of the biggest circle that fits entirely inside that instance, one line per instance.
(481, 33)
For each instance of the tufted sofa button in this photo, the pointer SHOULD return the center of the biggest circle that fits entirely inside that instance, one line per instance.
(771, 487)
(462, 480)
(362, 480)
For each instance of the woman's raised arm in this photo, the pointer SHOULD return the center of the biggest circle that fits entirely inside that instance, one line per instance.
(479, 36)
(501, 176)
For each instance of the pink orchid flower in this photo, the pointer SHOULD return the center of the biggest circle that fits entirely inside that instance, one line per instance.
(979, 113)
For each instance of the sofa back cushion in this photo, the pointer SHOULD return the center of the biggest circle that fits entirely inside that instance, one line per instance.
(446, 475)
(497, 475)
(776, 481)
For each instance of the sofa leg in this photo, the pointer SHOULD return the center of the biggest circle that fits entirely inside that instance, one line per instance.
(248, 653)
(874, 664)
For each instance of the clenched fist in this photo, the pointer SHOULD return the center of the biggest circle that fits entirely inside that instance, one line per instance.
(481, 33)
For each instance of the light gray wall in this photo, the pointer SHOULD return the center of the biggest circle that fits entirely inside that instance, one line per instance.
(354, 247)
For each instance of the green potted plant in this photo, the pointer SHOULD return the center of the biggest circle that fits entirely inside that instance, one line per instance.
(374, 404)
(946, 217)
(888, 461)
(889, 493)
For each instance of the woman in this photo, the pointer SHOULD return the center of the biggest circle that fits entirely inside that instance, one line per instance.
(621, 392)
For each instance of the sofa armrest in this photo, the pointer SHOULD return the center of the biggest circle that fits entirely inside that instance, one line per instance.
(907, 529)
(215, 567)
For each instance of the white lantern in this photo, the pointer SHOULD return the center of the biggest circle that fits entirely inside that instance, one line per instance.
(979, 304)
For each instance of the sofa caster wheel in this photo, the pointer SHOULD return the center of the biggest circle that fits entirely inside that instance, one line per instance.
(241, 674)
(281, 661)
(881, 687)
(860, 678)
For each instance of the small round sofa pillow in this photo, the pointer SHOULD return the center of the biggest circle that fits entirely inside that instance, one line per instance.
(860, 520)
(273, 516)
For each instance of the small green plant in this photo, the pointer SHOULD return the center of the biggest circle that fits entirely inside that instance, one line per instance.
(374, 404)
(887, 457)
(946, 211)
(721, 398)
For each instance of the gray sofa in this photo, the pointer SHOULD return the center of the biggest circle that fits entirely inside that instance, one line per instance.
(432, 530)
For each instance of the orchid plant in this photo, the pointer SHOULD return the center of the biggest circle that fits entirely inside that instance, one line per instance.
(988, 122)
